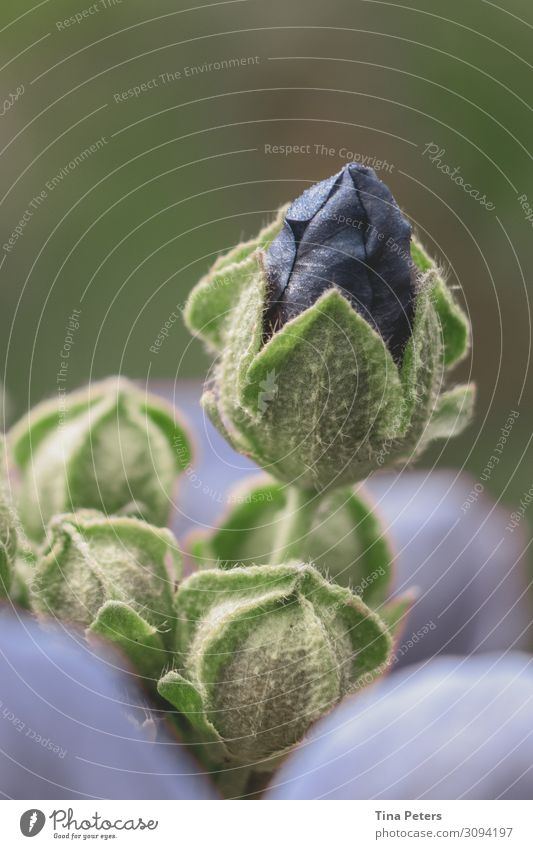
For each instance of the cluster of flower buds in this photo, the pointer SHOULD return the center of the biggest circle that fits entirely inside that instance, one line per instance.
(332, 330)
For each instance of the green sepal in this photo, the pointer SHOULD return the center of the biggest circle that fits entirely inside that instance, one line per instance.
(140, 641)
(9, 542)
(247, 532)
(345, 542)
(28, 433)
(127, 461)
(421, 259)
(337, 397)
(250, 707)
(452, 414)
(187, 699)
(163, 416)
(319, 402)
(211, 301)
(394, 613)
(210, 405)
(206, 590)
(5, 572)
(417, 374)
(454, 325)
(21, 578)
(350, 621)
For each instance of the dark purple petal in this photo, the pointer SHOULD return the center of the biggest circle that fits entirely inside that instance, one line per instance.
(346, 231)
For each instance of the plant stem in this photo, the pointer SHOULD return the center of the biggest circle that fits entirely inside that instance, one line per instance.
(232, 782)
(294, 525)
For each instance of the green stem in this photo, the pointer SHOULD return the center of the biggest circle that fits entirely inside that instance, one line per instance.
(295, 525)
(232, 782)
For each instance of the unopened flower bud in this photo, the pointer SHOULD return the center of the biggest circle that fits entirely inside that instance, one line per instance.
(108, 446)
(333, 330)
(114, 575)
(263, 652)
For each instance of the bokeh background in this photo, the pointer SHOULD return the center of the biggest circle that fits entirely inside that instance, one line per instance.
(183, 171)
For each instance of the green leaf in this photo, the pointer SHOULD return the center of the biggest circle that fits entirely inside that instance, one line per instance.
(140, 641)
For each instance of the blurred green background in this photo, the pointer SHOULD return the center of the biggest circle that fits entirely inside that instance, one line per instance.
(182, 172)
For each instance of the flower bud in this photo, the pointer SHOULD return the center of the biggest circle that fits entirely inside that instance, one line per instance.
(263, 652)
(108, 446)
(116, 576)
(333, 330)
